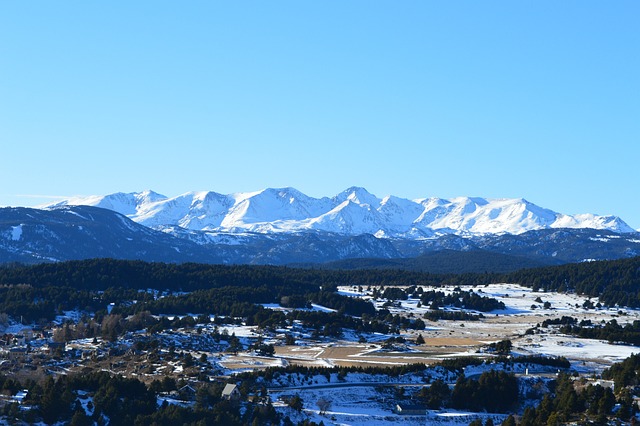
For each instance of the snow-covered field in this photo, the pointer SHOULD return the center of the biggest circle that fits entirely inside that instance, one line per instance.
(524, 309)
(355, 403)
(367, 406)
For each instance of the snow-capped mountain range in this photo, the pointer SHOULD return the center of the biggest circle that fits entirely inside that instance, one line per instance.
(354, 211)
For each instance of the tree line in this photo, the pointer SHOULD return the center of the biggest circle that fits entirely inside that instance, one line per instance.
(615, 282)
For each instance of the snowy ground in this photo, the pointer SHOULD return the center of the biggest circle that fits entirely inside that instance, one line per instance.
(354, 403)
(366, 406)
(444, 339)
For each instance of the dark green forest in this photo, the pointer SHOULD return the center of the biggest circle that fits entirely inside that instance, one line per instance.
(100, 274)
(615, 282)
(447, 261)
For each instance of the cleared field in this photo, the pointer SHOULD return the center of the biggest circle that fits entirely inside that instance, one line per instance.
(249, 362)
(450, 341)
(350, 354)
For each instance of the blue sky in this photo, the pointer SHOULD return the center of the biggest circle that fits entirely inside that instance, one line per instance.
(496, 99)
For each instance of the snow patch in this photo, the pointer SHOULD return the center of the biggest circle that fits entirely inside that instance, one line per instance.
(16, 232)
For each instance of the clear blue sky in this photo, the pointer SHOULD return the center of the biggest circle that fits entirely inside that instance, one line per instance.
(533, 99)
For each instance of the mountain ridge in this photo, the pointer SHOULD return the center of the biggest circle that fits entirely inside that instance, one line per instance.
(354, 211)
(29, 235)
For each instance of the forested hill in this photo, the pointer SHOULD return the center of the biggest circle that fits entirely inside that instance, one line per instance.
(615, 281)
(448, 261)
(100, 274)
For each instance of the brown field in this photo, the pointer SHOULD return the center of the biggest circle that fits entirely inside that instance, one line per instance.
(451, 341)
(249, 362)
(363, 355)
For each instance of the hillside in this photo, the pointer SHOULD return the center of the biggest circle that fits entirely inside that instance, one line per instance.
(448, 262)
(605, 279)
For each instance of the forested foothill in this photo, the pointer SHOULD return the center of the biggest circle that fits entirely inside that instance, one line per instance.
(129, 342)
(615, 282)
(45, 290)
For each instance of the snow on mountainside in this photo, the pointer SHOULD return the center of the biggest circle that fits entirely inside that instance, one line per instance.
(126, 204)
(82, 232)
(354, 211)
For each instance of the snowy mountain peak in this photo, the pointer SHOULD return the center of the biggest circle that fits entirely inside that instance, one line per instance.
(148, 196)
(354, 211)
(358, 195)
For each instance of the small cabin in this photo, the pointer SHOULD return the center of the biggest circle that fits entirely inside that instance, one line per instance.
(411, 409)
(230, 392)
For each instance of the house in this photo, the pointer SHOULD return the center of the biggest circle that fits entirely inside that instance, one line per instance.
(582, 384)
(20, 396)
(17, 352)
(411, 409)
(230, 392)
(56, 346)
(187, 393)
(19, 339)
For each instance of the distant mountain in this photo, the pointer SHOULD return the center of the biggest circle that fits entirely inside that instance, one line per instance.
(353, 212)
(82, 232)
(284, 226)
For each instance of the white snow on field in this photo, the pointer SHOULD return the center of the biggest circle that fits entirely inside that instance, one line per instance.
(519, 299)
(86, 343)
(242, 362)
(16, 232)
(314, 307)
(274, 306)
(322, 308)
(574, 348)
(524, 309)
(86, 402)
(366, 406)
(239, 330)
(172, 401)
(350, 291)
